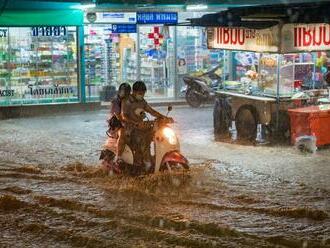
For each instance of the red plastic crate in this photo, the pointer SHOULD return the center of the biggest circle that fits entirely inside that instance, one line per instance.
(311, 121)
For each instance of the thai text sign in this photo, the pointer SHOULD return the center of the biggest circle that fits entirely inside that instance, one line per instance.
(294, 38)
(50, 90)
(6, 93)
(157, 17)
(49, 31)
(122, 28)
(264, 40)
(116, 17)
(305, 37)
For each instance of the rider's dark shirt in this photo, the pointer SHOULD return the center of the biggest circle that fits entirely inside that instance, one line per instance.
(132, 108)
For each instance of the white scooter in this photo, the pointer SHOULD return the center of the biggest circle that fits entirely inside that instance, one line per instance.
(166, 157)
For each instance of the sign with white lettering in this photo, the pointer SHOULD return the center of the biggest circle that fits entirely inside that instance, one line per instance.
(305, 37)
(113, 17)
(243, 39)
(121, 28)
(157, 17)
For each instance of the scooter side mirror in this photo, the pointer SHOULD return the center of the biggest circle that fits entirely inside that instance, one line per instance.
(169, 108)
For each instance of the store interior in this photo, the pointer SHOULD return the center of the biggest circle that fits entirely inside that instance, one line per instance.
(38, 68)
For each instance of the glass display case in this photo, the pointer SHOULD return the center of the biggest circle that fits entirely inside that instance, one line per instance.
(262, 79)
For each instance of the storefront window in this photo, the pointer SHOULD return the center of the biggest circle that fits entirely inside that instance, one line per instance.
(157, 60)
(38, 65)
(193, 56)
(110, 59)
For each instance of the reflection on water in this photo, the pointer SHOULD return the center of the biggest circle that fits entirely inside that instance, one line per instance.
(214, 205)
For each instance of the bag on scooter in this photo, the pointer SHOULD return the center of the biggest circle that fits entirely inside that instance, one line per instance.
(113, 125)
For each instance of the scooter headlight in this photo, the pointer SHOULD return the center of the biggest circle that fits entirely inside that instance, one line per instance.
(170, 135)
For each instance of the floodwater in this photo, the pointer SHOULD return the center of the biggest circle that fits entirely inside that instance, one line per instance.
(53, 193)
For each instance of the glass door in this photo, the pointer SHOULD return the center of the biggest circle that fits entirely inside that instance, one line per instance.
(157, 66)
(110, 60)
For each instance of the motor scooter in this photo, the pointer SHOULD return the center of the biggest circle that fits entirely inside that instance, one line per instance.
(200, 89)
(166, 147)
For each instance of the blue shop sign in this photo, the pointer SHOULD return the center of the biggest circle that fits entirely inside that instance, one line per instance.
(157, 17)
(122, 28)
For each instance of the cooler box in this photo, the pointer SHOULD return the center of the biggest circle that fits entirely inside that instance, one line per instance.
(313, 120)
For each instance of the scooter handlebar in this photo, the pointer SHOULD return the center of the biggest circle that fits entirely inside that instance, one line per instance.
(167, 120)
(159, 121)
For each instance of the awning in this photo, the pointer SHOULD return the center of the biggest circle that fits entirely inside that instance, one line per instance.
(265, 16)
(287, 38)
(42, 17)
(275, 29)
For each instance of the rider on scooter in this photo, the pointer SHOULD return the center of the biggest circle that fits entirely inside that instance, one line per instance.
(115, 120)
(133, 113)
(115, 124)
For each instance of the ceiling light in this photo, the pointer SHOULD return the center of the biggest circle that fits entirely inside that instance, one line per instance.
(197, 7)
(84, 6)
(87, 6)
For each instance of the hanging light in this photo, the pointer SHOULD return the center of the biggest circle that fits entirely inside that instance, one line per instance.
(84, 5)
(88, 6)
(192, 7)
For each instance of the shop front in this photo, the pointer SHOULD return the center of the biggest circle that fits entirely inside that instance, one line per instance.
(39, 57)
(117, 50)
(147, 46)
(110, 43)
(58, 56)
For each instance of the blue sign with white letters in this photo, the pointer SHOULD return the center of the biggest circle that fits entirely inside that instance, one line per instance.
(157, 17)
(122, 28)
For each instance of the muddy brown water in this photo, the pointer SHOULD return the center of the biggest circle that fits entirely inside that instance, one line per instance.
(213, 205)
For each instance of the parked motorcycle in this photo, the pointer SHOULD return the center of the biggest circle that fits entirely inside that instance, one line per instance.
(167, 155)
(200, 89)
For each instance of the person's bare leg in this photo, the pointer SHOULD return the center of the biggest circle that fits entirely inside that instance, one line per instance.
(121, 143)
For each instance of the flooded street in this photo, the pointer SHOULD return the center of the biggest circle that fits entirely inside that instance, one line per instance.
(53, 192)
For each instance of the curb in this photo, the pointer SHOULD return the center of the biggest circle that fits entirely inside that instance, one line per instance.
(8, 112)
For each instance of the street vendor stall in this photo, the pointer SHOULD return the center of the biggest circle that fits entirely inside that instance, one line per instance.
(264, 96)
(260, 100)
